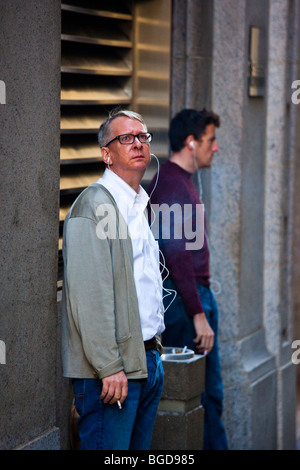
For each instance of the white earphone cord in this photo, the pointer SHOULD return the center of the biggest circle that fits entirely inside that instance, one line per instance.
(163, 264)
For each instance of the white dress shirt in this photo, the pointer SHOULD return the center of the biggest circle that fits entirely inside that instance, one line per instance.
(146, 270)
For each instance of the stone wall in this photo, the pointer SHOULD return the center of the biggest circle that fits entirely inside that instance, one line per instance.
(251, 196)
(248, 194)
(29, 152)
(250, 231)
(294, 136)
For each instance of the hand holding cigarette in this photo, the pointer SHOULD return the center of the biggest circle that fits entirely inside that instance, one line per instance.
(114, 389)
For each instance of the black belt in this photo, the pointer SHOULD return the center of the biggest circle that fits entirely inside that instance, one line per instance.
(150, 344)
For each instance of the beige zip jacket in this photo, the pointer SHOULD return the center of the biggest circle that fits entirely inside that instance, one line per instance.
(101, 330)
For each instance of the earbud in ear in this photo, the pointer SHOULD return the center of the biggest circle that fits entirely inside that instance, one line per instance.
(108, 160)
(192, 145)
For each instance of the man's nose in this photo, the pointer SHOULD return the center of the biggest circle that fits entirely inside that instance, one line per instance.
(136, 141)
(215, 147)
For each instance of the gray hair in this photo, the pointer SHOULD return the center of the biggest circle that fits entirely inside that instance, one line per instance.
(104, 131)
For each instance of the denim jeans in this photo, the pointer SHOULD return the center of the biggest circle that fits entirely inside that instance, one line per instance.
(105, 427)
(180, 332)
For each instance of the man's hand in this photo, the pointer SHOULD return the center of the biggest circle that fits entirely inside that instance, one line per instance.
(114, 388)
(204, 334)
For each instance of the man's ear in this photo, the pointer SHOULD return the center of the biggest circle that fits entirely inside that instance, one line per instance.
(105, 155)
(189, 142)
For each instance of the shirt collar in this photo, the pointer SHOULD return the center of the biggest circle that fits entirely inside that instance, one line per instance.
(122, 192)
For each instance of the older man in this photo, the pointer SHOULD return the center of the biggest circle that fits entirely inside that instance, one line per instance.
(113, 311)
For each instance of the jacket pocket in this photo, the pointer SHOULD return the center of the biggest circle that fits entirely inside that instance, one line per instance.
(122, 339)
(133, 357)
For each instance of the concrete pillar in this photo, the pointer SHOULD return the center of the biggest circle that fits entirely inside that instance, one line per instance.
(295, 156)
(29, 152)
(277, 305)
(191, 54)
(247, 226)
(295, 209)
(192, 59)
(180, 419)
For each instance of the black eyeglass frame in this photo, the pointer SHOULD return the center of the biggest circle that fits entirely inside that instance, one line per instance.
(134, 136)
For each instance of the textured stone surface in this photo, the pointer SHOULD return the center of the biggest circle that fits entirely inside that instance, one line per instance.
(191, 54)
(179, 422)
(246, 222)
(179, 431)
(184, 380)
(50, 440)
(29, 159)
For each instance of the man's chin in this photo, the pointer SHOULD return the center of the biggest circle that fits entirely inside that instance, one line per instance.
(140, 163)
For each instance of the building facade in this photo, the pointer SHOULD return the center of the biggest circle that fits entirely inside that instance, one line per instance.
(238, 57)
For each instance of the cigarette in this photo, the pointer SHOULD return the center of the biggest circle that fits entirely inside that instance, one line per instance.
(119, 404)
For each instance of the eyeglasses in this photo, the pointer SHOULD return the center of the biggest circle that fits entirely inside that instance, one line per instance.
(124, 139)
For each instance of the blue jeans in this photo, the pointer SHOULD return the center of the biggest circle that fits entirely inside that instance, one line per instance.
(105, 427)
(180, 332)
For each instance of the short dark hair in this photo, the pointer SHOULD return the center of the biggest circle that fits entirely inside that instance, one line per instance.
(190, 122)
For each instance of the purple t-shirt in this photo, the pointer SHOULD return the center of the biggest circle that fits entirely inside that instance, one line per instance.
(186, 267)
